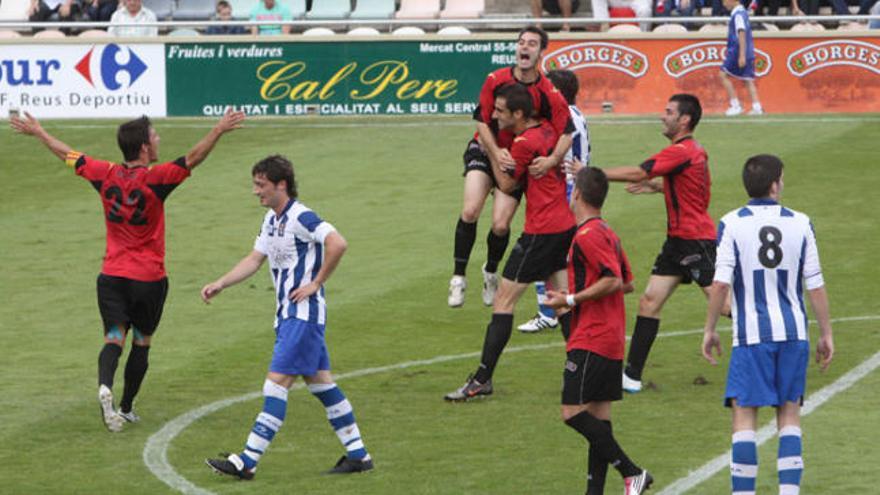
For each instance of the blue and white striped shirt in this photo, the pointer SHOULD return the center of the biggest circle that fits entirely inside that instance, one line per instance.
(293, 242)
(767, 253)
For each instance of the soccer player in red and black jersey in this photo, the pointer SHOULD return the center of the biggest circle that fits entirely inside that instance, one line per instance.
(598, 275)
(540, 252)
(132, 285)
(689, 251)
(489, 146)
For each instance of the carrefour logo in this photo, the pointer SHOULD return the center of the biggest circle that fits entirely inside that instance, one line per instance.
(708, 54)
(598, 54)
(106, 63)
(837, 52)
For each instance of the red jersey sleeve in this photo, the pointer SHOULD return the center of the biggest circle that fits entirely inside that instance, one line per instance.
(94, 171)
(670, 160)
(625, 270)
(164, 178)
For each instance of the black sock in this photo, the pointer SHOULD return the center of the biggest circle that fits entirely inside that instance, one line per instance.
(465, 235)
(135, 369)
(497, 335)
(496, 245)
(597, 469)
(565, 325)
(642, 338)
(108, 359)
(599, 435)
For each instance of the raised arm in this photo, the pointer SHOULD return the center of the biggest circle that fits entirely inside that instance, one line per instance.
(230, 121)
(30, 126)
(241, 271)
(626, 174)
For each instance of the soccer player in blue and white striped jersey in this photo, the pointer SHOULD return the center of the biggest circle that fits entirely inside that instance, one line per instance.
(767, 253)
(577, 156)
(303, 251)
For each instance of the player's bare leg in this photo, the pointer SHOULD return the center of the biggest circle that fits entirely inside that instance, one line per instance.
(503, 210)
(108, 360)
(757, 109)
(477, 185)
(593, 421)
(735, 106)
(658, 291)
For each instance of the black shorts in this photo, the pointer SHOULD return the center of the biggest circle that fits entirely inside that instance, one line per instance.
(127, 302)
(693, 260)
(589, 377)
(537, 256)
(476, 159)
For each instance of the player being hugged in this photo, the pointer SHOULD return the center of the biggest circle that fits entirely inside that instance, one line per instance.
(540, 251)
(490, 147)
(767, 254)
(132, 285)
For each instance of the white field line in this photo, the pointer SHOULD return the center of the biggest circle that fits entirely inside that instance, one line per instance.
(812, 403)
(277, 123)
(155, 454)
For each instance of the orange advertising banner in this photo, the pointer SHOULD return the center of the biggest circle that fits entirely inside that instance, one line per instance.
(793, 74)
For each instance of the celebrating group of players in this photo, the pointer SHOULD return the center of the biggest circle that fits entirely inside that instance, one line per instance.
(531, 142)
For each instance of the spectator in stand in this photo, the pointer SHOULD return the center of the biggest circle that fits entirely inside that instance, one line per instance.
(875, 10)
(642, 8)
(42, 10)
(675, 8)
(270, 10)
(555, 7)
(101, 10)
(224, 14)
(128, 21)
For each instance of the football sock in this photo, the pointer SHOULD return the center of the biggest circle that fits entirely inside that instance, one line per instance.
(497, 335)
(565, 324)
(541, 291)
(734, 102)
(642, 338)
(465, 235)
(267, 424)
(496, 245)
(789, 461)
(597, 468)
(108, 359)
(744, 463)
(341, 417)
(599, 435)
(135, 370)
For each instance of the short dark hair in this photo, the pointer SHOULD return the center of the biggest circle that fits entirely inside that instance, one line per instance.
(132, 135)
(276, 168)
(593, 186)
(518, 99)
(536, 30)
(566, 82)
(759, 173)
(689, 105)
(222, 3)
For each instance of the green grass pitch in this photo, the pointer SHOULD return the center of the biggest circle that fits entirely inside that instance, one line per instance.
(393, 188)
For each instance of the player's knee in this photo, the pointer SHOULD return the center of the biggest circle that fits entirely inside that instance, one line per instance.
(501, 226)
(649, 305)
(115, 335)
(470, 213)
(139, 337)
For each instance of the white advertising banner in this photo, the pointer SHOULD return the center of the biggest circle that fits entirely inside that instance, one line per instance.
(89, 80)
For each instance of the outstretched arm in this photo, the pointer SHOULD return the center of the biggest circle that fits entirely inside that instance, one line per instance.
(242, 270)
(626, 174)
(230, 121)
(30, 126)
(334, 247)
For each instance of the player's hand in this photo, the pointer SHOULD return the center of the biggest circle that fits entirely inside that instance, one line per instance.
(28, 125)
(540, 166)
(572, 167)
(742, 61)
(824, 352)
(643, 187)
(211, 290)
(304, 292)
(555, 299)
(711, 342)
(231, 120)
(505, 160)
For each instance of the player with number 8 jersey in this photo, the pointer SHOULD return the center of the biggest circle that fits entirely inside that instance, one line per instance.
(132, 285)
